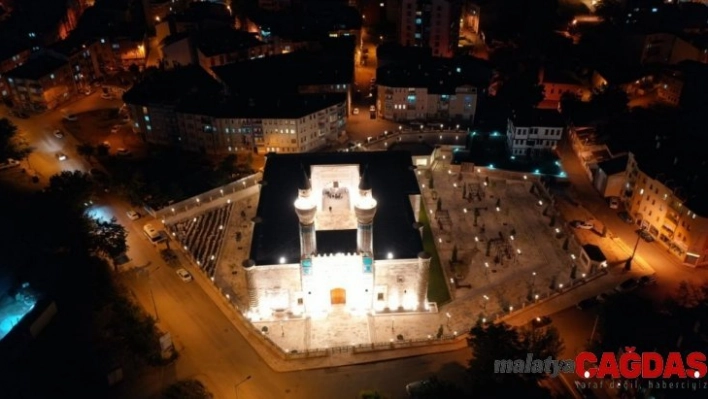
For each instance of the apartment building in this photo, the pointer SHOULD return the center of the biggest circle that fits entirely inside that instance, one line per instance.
(430, 23)
(436, 89)
(41, 83)
(670, 204)
(279, 123)
(534, 132)
(11, 57)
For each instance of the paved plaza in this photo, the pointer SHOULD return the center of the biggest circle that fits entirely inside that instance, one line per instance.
(502, 246)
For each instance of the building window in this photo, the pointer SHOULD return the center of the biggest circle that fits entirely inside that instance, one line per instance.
(380, 296)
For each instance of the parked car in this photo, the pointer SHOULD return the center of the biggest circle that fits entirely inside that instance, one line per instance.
(184, 275)
(88, 92)
(614, 202)
(355, 111)
(115, 129)
(58, 134)
(587, 303)
(372, 108)
(647, 280)
(71, 118)
(423, 388)
(580, 224)
(61, 156)
(106, 96)
(106, 144)
(603, 297)
(645, 235)
(20, 114)
(627, 285)
(624, 215)
(132, 215)
(542, 321)
(122, 152)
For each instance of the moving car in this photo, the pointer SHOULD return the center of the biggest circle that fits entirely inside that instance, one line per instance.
(614, 203)
(580, 224)
(624, 215)
(58, 134)
(71, 118)
(184, 275)
(587, 303)
(645, 235)
(132, 215)
(61, 156)
(628, 285)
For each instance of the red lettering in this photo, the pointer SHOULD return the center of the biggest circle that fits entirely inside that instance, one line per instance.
(652, 365)
(674, 366)
(630, 365)
(696, 363)
(608, 366)
(580, 369)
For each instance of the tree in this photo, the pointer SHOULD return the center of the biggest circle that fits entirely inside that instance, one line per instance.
(71, 188)
(493, 342)
(11, 144)
(187, 389)
(521, 92)
(86, 150)
(612, 99)
(108, 238)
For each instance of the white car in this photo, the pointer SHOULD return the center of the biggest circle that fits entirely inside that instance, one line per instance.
(132, 215)
(372, 109)
(184, 275)
(614, 203)
(355, 111)
(61, 156)
(115, 129)
(58, 134)
(579, 224)
(71, 118)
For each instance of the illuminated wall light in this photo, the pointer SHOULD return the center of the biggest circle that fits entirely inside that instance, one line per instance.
(390, 255)
(282, 259)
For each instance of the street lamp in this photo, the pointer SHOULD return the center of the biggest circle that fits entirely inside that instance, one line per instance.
(248, 377)
(628, 263)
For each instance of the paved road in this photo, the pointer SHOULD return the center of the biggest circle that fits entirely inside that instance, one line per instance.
(668, 269)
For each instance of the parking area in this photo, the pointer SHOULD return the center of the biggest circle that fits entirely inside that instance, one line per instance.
(106, 128)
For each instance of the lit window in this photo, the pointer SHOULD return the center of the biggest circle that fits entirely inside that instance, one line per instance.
(147, 118)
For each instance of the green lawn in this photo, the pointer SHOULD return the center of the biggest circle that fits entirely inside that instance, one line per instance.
(437, 287)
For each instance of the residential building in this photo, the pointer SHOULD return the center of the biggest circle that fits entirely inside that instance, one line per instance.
(558, 82)
(202, 117)
(610, 176)
(670, 86)
(592, 150)
(430, 23)
(534, 132)
(666, 194)
(83, 58)
(42, 83)
(11, 57)
(436, 89)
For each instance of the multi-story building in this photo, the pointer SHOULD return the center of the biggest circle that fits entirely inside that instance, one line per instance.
(436, 89)
(277, 123)
(670, 86)
(666, 194)
(41, 83)
(11, 57)
(201, 117)
(534, 132)
(430, 23)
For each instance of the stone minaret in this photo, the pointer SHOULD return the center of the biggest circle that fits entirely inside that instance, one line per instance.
(365, 209)
(306, 208)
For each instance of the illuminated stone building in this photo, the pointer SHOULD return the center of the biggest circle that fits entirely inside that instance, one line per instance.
(337, 231)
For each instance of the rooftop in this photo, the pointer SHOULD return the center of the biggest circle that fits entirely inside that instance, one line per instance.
(439, 75)
(285, 106)
(614, 165)
(392, 179)
(224, 41)
(170, 86)
(286, 72)
(37, 67)
(539, 117)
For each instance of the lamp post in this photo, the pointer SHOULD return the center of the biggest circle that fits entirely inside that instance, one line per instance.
(238, 384)
(628, 263)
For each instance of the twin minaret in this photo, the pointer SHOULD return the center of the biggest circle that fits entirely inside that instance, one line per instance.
(364, 210)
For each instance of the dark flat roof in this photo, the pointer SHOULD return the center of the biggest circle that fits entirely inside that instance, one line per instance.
(539, 117)
(224, 41)
(37, 67)
(392, 180)
(169, 86)
(614, 165)
(438, 75)
(274, 106)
